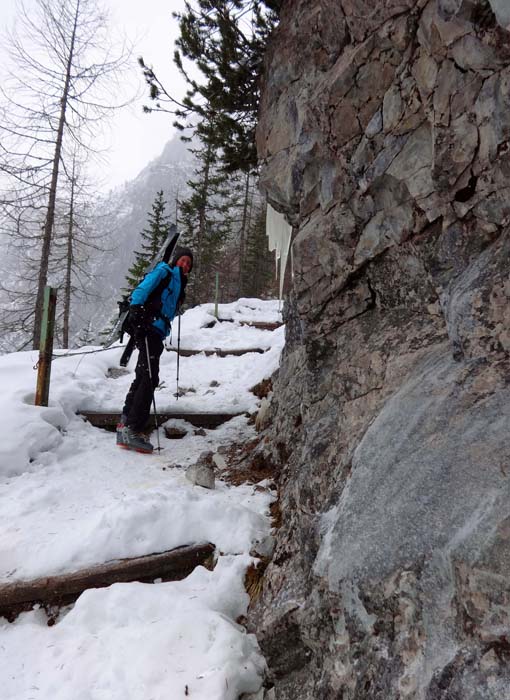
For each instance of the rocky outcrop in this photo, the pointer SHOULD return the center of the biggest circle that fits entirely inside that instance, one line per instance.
(384, 137)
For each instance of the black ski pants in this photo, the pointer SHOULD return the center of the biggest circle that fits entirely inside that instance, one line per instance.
(139, 397)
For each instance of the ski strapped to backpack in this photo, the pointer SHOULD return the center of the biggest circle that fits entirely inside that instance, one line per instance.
(152, 304)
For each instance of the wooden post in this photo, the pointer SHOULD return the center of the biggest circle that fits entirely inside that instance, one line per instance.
(216, 292)
(46, 347)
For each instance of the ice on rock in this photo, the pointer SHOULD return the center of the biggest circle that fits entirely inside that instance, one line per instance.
(279, 233)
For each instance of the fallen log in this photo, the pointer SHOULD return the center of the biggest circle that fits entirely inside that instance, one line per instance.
(108, 421)
(173, 565)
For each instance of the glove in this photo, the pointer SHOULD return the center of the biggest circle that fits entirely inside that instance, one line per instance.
(138, 322)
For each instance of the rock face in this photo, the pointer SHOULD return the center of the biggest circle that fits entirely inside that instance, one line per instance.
(384, 137)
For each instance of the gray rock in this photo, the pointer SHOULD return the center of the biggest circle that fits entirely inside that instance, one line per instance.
(176, 429)
(384, 136)
(219, 460)
(260, 695)
(202, 473)
(437, 473)
(502, 11)
(264, 548)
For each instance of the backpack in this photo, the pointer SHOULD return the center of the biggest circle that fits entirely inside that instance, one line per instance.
(151, 306)
(122, 324)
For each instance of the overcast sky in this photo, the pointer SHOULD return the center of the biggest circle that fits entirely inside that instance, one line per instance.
(135, 138)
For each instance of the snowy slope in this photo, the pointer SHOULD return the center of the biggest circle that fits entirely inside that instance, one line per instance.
(70, 497)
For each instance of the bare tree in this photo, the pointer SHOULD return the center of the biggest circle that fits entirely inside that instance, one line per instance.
(65, 72)
(77, 243)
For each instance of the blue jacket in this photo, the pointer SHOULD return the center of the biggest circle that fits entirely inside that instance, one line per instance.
(169, 295)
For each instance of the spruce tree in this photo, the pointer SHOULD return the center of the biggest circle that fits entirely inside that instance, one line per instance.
(205, 220)
(226, 41)
(259, 267)
(153, 237)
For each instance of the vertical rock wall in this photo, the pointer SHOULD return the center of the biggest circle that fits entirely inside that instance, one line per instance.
(384, 137)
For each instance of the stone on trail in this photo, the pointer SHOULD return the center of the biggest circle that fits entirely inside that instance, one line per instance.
(202, 473)
(177, 428)
(219, 461)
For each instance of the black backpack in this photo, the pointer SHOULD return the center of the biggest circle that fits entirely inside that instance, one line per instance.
(151, 308)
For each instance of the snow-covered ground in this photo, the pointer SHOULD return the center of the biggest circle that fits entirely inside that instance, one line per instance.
(69, 498)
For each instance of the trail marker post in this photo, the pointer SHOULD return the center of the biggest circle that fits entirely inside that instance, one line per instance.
(46, 347)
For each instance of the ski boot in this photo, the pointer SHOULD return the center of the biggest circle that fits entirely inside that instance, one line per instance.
(120, 426)
(137, 442)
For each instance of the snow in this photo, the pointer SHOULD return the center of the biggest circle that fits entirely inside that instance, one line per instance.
(71, 498)
(143, 641)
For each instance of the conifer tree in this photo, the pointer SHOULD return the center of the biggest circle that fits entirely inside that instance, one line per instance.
(226, 40)
(86, 335)
(153, 237)
(206, 217)
(259, 268)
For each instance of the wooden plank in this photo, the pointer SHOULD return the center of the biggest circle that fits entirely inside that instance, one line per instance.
(100, 419)
(262, 325)
(219, 352)
(173, 565)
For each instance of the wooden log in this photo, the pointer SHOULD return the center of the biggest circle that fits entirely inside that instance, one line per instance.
(261, 325)
(173, 565)
(100, 419)
(219, 352)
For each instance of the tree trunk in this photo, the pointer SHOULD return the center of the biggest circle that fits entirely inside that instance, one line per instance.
(50, 213)
(202, 224)
(69, 264)
(242, 236)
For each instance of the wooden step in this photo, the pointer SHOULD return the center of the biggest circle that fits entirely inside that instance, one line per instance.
(108, 421)
(218, 351)
(172, 565)
(261, 325)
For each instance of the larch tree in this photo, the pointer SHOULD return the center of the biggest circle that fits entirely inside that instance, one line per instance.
(76, 243)
(64, 74)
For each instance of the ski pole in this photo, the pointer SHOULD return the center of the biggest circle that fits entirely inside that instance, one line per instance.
(178, 349)
(153, 392)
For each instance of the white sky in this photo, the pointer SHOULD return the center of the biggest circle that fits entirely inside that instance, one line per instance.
(135, 138)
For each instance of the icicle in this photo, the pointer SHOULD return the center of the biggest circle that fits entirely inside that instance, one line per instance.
(279, 234)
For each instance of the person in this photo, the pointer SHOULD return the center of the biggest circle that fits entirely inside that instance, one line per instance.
(153, 306)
